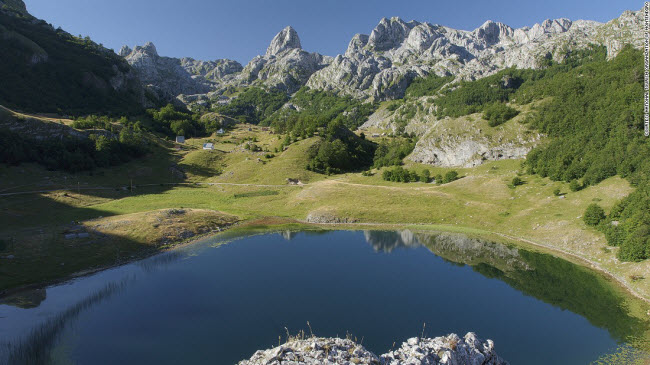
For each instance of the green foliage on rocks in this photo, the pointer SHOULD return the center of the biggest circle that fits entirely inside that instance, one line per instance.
(314, 110)
(392, 152)
(499, 113)
(425, 86)
(253, 105)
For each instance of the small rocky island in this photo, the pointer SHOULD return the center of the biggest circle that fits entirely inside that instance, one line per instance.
(449, 349)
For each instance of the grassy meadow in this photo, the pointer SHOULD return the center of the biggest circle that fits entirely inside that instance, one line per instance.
(242, 185)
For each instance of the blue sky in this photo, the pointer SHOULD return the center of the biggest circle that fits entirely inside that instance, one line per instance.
(242, 29)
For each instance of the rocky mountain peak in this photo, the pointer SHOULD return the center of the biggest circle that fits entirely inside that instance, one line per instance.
(356, 44)
(286, 39)
(125, 51)
(149, 48)
(492, 32)
(389, 33)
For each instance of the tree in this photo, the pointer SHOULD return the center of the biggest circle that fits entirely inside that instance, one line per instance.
(593, 215)
(450, 176)
(574, 185)
(425, 175)
(499, 113)
(438, 179)
(635, 247)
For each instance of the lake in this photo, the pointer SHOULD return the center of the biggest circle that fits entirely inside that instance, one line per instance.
(223, 298)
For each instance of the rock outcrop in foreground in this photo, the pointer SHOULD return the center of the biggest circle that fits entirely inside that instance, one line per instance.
(449, 349)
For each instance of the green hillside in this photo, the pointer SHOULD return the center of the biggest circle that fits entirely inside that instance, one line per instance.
(48, 70)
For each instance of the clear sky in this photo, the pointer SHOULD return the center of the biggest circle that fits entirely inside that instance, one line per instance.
(242, 29)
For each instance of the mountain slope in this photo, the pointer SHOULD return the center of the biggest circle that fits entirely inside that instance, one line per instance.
(285, 67)
(382, 64)
(48, 70)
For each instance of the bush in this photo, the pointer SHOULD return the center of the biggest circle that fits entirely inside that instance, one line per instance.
(499, 113)
(450, 176)
(557, 192)
(425, 176)
(438, 179)
(400, 174)
(593, 215)
(516, 181)
(574, 185)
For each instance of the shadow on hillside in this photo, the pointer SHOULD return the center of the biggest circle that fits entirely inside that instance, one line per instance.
(36, 228)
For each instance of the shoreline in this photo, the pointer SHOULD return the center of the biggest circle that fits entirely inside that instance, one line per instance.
(274, 224)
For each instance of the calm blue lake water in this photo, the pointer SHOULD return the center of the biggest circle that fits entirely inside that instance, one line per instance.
(218, 304)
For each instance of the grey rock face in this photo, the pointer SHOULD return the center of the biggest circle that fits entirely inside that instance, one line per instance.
(464, 152)
(383, 64)
(286, 39)
(211, 70)
(285, 66)
(314, 351)
(450, 349)
(169, 77)
(125, 51)
(415, 351)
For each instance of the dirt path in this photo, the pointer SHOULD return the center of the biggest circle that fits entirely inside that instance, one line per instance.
(36, 116)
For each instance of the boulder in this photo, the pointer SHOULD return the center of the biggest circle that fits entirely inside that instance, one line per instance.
(450, 349)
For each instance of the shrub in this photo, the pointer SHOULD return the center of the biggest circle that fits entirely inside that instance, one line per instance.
(516, 181)
(593, 215)
(574, 185)
(400, 174)
(557, 192)
(425, 175)
(438, 179)
(499, 113)
(450, 176)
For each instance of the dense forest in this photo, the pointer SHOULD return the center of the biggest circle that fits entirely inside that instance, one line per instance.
(70, 153)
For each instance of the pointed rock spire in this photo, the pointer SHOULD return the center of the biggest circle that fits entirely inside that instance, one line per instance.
(150, 48)
(125, 51)
(286, 39)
